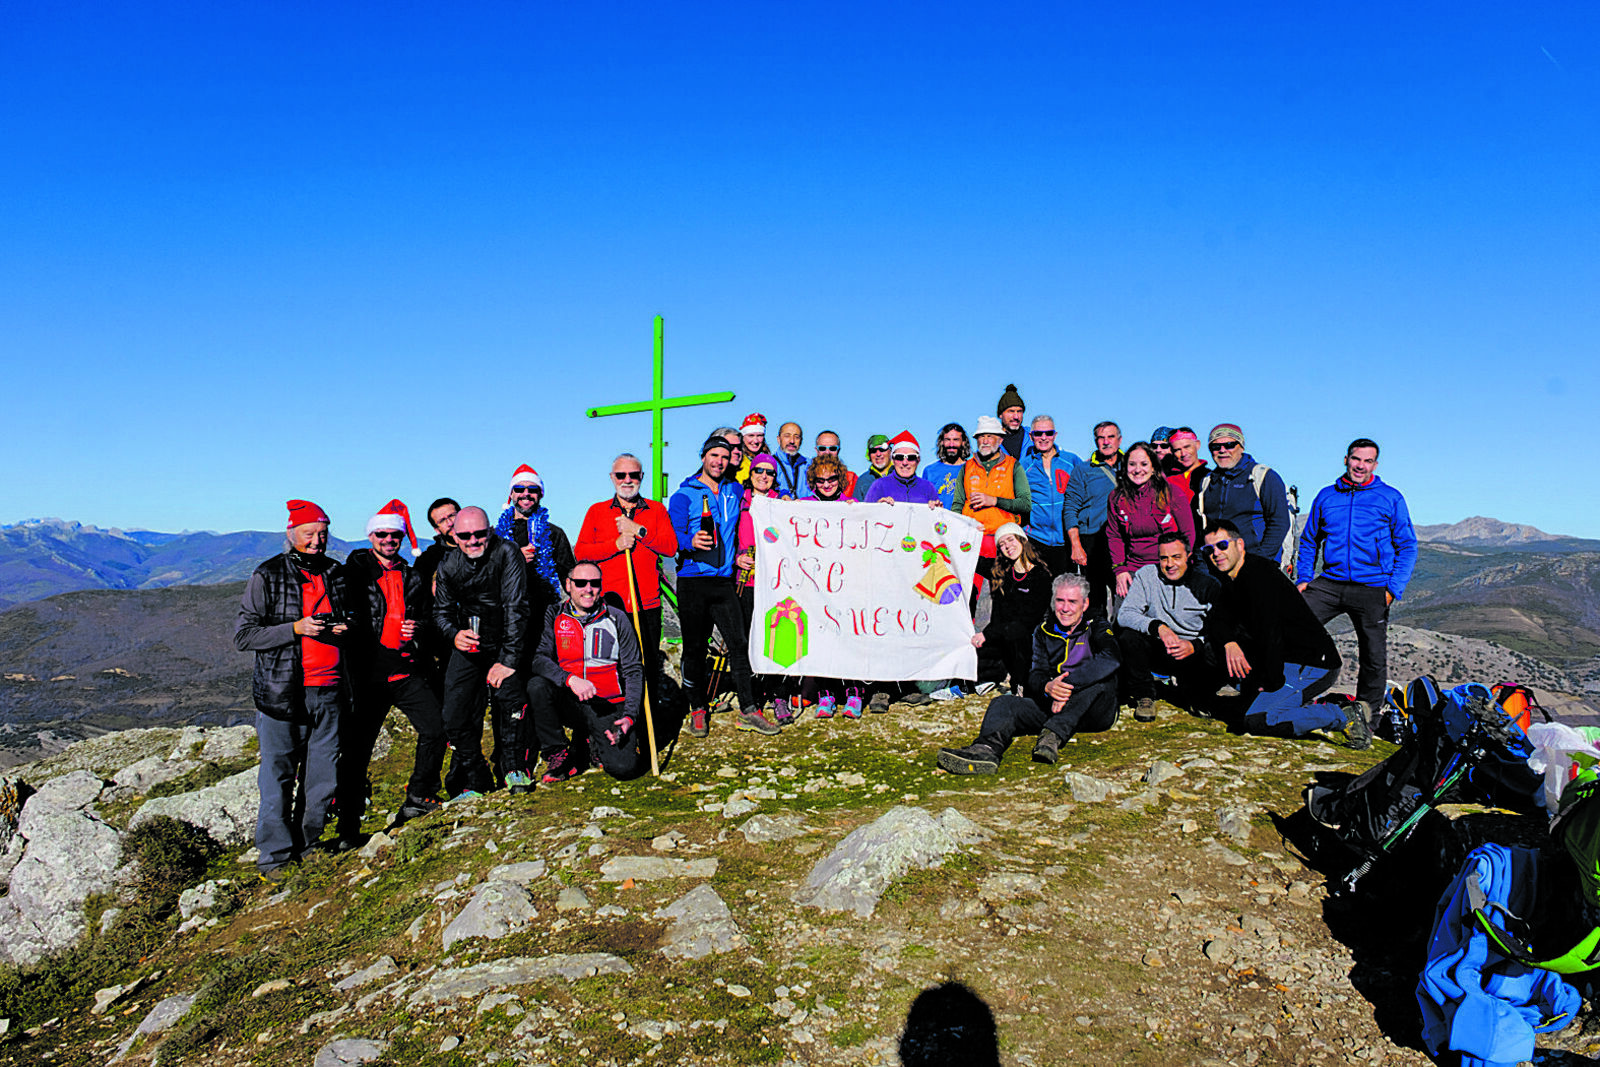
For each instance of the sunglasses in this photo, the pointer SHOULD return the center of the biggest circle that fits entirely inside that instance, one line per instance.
(903, 458)
(875, 449)
(1225, 446)
(387, 535)
(1219, 546)
(1043, 433)
(627, 476)
(770, 472)
(827, 481)
(472, 535)
(827, 448)
(526, 490)
(585, 583)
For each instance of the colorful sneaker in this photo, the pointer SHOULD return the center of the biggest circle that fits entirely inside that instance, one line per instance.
(560, 766)
(752, 719)
(852, 703)
(519, 782)
(826, 706)
(782, 713)
(466, 794)
(699, 722)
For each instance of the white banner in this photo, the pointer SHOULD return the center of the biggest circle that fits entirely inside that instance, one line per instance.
(876, 592)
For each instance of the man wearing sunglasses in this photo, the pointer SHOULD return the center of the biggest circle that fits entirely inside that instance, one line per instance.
(587, 675)
(827, 444)
(1048, 470)
(480, 608)
(878, 465)
(1246, 493)
(387, 671)
(544, 546)
(994, 487)
(631, 522)
(903, 484)
(1274, 648)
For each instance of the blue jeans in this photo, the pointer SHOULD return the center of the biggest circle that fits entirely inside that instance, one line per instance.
(1289, 711)
(288, 824)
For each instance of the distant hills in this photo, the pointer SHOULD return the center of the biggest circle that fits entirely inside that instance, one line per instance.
(43, 557)
(1495, 536)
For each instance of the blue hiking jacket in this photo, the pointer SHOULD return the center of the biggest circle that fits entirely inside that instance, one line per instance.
(1084, 504)
(1365, 534)
(1048, 495)
(1264, 523)
(684, 510)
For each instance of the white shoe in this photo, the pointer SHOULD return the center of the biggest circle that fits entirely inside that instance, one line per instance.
(985, 688)
(947, 693)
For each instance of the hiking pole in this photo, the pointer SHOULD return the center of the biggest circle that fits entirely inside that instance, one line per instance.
(638, 633)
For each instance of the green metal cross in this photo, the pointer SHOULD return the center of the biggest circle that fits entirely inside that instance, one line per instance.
(656, 405)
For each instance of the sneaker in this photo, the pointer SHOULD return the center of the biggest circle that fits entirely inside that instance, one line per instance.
(985, 688)
(852, 703)
(466, 794)
(782, 712)
(1047, 748)
(752, 719)
(1144, 710)
(699, 722)
(974, 759)
(519, 782)
(416, 807)
(560, 766)
(879, 703)
(949, 692)
(1357, 730)
(826, 705)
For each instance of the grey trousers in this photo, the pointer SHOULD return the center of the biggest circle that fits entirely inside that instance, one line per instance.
(306, 753)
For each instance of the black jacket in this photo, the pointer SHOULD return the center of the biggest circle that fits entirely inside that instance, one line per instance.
(267, 613)
(1267, 616)
(1051, 646)
(368, 609)
(493, 587)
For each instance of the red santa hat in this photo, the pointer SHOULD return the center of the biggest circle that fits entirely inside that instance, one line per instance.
(755, 422)
(393, 516)
(526, 475)
(304, 511)
(904, 438)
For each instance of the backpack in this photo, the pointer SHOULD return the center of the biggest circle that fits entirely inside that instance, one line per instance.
(1297, 521)
(1519, 702)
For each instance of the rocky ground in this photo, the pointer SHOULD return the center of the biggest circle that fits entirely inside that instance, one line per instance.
(766, 900)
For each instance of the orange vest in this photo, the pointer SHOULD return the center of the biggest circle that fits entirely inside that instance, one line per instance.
(999, 482)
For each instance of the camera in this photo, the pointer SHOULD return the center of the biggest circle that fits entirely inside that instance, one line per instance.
(329, 618)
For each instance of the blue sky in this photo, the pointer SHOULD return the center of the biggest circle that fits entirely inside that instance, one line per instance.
(349, 252)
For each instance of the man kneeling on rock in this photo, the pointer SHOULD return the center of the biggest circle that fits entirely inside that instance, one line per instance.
(587, 674)
(1074, 675)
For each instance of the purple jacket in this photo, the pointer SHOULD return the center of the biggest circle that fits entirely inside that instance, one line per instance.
(1134, 526)
(892, 487)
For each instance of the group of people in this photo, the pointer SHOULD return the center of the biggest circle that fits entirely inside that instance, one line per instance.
(1103, 573)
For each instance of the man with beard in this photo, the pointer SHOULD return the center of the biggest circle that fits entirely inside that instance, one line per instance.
(945, 472)
(1083, 513)
(629, 521)
(1011, 409)
(544, 546)
(791, 464)
(292, 616)
(994, 487)
(388, 597)
(434, 652)
(1166, 624)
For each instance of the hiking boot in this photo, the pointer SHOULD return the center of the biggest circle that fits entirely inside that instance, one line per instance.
(752, 719)
(559, 766)
(1047, 748)
(914, 698)
(279, 874)
(879, 703)
(826, 705)
(519, 782)
(780, 712)
(1357, 730)
(974, 759)
(699, 722)
(416, 807)
(1144, 710)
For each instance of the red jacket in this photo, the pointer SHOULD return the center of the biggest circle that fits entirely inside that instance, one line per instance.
(1134, 526)
(597, 543)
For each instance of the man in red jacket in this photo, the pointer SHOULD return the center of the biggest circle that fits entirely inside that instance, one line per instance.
(627, 521)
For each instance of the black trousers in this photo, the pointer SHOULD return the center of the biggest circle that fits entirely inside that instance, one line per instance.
(1057, 557)
(1097, 570)
(465, 679)
(552, 706)
(1006, 651)
(649, 637)
(1198, 676)
(1090, 708)
(1368, 609)
(358, 732)
(702, 603)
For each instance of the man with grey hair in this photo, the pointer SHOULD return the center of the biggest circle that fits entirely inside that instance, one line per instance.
(1048, 470)
(1072, 686)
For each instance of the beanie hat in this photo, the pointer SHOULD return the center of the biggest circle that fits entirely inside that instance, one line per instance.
(1224, 431)
(393, 516)
(1010, 528)
(1160, 434)
(1010, 399)
(526, 475)
(764, 457)
(304, 511)
(874, 441)
(755, 422)
(989, 424)
(1182, 435)
(904, 438)
(714, 442)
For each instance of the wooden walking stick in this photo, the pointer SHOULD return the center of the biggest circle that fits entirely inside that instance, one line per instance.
(638, 633)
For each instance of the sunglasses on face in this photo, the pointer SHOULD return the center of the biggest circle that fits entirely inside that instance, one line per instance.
(827, 448)
(770, 472)
(1219, 546)
(585, 583)
(525, 490)
(1225, 446)
(472, 535)
(626, 476)
(390, 535)
(1043, 433)
(903, 458)
(827, 481)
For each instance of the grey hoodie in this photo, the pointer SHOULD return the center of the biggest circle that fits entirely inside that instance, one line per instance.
(1184, 606)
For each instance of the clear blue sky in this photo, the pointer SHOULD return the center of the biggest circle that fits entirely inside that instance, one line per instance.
(356, 251)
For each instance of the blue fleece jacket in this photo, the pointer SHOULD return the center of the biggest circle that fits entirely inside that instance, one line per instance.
(1049, 493)
(684, 510)
(1264, 523)
(1084, 503)
(1365, 534)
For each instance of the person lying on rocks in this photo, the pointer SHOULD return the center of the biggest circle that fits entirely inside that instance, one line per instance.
(587, 674)
(1072, 686)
